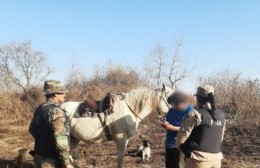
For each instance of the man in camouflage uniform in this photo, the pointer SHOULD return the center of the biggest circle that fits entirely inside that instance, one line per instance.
(50, 129)
(202, 131)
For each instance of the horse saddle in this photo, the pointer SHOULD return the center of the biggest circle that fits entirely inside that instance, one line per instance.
(92, 107)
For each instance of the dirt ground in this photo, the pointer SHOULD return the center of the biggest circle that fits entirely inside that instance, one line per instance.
(240, 152)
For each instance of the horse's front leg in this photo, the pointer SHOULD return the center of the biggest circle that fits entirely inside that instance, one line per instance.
(121, 143)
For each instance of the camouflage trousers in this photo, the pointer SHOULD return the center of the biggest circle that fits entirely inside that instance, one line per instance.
(45, 162)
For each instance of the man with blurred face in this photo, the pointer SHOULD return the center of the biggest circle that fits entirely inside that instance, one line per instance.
(50, 129)
(180, 109)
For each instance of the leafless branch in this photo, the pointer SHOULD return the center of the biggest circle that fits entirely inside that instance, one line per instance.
(22, 65)
(164, 67)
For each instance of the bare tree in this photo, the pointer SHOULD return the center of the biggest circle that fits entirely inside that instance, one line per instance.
(155, 64)
(6, 73)
(75, 76)
(22, 66)
(177, 69)
(166, 67)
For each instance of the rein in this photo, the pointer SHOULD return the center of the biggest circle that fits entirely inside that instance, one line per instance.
(158, 110)
(133, 111)
(141, 119)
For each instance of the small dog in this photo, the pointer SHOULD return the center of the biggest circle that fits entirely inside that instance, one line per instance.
(144, 151)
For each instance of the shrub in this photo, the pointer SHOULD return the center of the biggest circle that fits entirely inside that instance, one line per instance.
(17, 108)
(239, 97)
(115, 79)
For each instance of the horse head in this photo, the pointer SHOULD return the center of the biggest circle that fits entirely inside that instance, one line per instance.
(164, 93)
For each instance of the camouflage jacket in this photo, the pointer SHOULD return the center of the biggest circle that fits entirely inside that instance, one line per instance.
(50, 129)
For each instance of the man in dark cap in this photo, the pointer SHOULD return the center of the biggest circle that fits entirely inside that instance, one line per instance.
(202, 131)
(50, 129)
(180, 108)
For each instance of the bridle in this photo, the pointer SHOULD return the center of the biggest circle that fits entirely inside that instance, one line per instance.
(163, 97)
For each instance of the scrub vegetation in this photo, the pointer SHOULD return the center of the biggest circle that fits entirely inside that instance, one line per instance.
(23, 69)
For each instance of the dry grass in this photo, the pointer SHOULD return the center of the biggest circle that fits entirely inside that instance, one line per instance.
(237, 155)
(237, 96)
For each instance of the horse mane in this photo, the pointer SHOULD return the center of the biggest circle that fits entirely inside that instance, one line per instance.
(137, 99)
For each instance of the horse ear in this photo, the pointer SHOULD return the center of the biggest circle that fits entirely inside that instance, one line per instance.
(164, 87)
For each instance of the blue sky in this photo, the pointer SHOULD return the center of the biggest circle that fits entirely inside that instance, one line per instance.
(217, 34)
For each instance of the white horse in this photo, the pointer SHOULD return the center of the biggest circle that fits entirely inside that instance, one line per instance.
(129, 110)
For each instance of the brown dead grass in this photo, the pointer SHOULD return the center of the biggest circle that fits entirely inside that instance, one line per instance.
(238, 97)
(240, 152)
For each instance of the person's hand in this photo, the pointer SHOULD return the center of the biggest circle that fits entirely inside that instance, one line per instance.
(165, 124)
(69, 166)
(168, 126)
